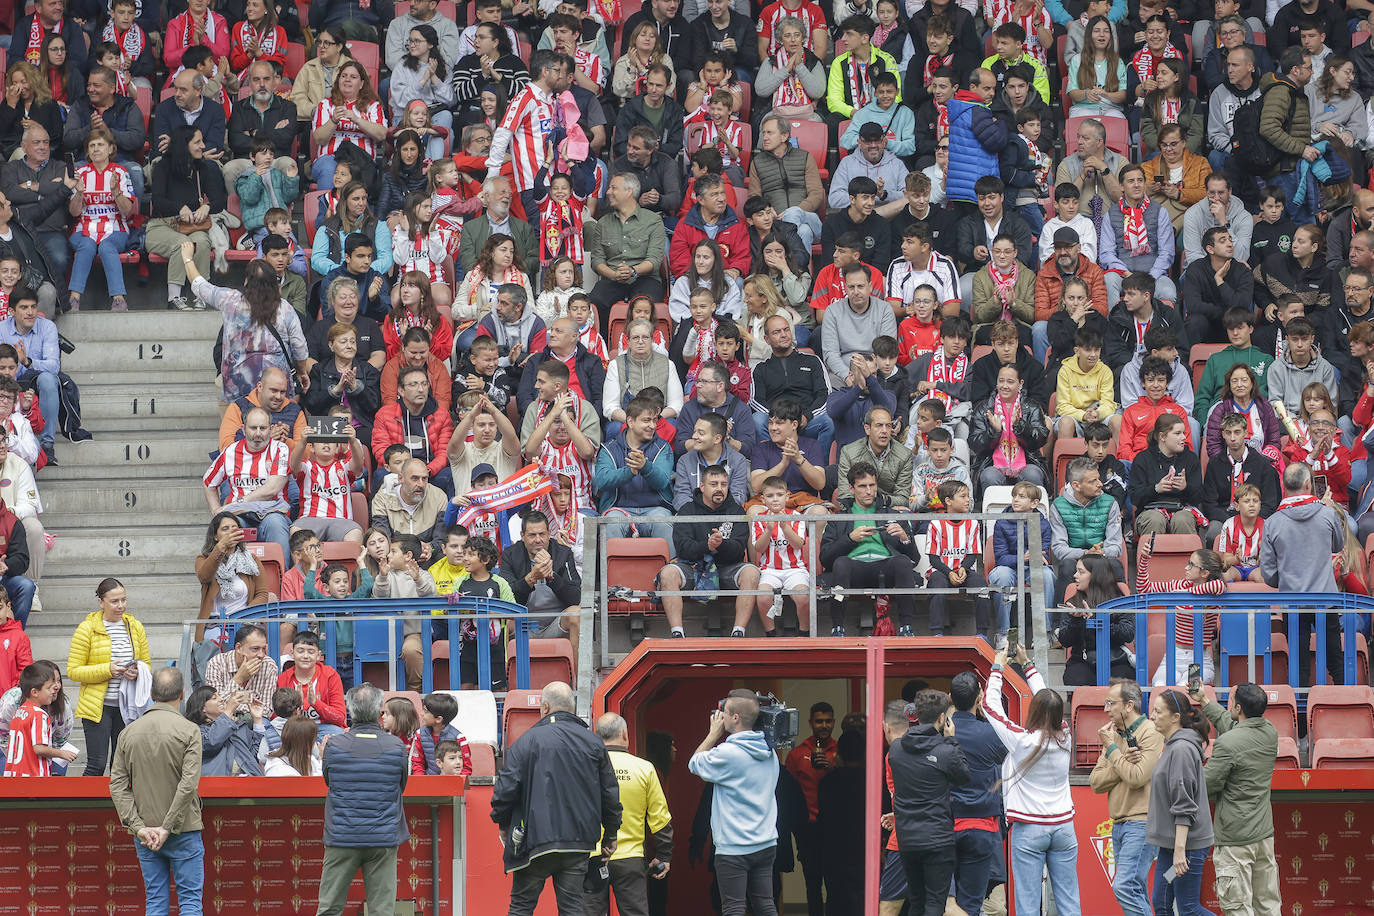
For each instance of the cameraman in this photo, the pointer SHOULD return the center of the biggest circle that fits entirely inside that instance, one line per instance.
(744, 814)
(926, 763)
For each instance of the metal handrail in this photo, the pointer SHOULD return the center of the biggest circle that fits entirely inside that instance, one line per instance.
(1251, 604)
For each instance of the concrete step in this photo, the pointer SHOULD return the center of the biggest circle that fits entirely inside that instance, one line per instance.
(140, 355)
(153, 447)
(133, 427)
(128, 552)
(75, 467)
(126, 522)
(150, 403)
(162, 599)
(96, 329)
(148, 380)
(140, 503)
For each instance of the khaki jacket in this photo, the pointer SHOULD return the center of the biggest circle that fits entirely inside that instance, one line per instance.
(1128, 784)
(159, 753)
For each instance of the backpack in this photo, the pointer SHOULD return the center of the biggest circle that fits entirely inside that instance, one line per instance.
(1251, 151)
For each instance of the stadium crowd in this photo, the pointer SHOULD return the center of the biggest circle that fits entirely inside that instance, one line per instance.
(1111, 262)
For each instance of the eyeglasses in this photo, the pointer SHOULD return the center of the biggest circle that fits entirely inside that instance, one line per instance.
(1322, 424)
(327, 43)
(1355, 288)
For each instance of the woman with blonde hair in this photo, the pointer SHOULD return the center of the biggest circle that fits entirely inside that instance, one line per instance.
(28, 98)
(761, 302)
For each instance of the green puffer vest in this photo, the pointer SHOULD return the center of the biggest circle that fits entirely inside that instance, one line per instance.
(1085, 525)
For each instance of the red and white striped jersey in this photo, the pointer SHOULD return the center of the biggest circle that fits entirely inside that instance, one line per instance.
(589, 65)
(1183, 619)
(425, 253)
(711, 136)
(326, 489)
(587, 335)
(952, 541)
(245, 470)
(774, 13)
(100, 217)
(565, 460)
(780, 553)
(529, 120)
(30, 728)
(1234, 540)
(348, 128)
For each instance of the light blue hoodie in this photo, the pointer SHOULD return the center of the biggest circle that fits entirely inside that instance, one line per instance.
(744, 807)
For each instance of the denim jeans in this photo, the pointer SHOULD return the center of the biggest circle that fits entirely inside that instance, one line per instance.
(109, 249)
(54, 245)
(434, 145)
(322, 171)
(21, 590)
(1033, 846)
(1040, 339)
(1186, 890)
(647, 529)
(974, 852)
(181, 861)
(1001, 606)
(275, 527)
(1133, 856)
(808, 224)
(45, 383)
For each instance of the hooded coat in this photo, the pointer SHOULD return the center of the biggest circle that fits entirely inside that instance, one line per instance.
(744, 811)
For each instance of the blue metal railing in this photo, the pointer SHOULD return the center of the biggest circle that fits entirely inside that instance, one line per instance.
(1249, 615)
(392, 614)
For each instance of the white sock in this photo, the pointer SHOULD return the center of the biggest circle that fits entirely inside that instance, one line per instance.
(736, 630)
(679, 631)
(173, 290)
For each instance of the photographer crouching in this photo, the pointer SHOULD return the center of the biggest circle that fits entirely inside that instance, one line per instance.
(744, 814)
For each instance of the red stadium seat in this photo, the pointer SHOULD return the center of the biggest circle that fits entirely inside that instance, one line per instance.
(1171, 553)
(1288, 758)
(312, 211)
(635, 563)
(520, 712)
(340, 552)
(813, 136)
(1197, 357)
(410, 695)
(1118, 134)
(235, 253)
(369, 55)
(143, 98)
(1282, 709)
(1340, 712)
(620, 314)
(483, 760)
(550, 660)
(1087, 714)
(295, 58)
(1066, 450)
(269, 557)
(1343, 754)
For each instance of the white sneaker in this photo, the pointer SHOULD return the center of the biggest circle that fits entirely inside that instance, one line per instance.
(181, 304)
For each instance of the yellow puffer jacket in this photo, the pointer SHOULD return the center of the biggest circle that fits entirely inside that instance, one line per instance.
(88, 661)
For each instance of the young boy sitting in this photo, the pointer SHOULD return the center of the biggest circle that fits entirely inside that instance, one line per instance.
(955, 548)
(829, 285)
(1238, 464)
(729, 342)
(399, 576)
(1239, 541)
(437, 712)
(305, 562)
(939, 467)
(449, 567)
(1240, 331)
(1299, 366)
(894, 380)
(338, 586)
(1086, 387)
(321, 690)
(1066, 215)
(944, 374)
(479, 582)
(1097, 440)
(1138, 419)
(1273, 230)
(580, 311)
(278, 223)
(1013, 564)
(779, 551)
(1162, 342)
(286, 702)
(454, 757)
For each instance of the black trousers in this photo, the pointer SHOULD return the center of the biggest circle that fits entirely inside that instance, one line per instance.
(812, 859)
(630, 880)
(928, 874)
(567, 869)
(607, 293)
(1335, 657)
(746, 880)
(982, 605)
(101, 739)
(896, 572)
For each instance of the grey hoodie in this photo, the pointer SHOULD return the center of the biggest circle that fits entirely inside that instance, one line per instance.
(1286, 381)
(1221, 112)
(1178, 794)
(744, 806)
(1305, 536)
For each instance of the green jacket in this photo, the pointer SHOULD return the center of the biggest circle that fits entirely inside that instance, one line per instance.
(1238, 777)
(1214, 375)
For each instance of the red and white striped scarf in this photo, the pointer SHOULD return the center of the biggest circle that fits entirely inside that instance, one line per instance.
(941, 122)
(942, 371)
(130, 44)
(1042, 165)
(1146, 63)
(860, 90)
(190, 30)
(560, 225)
(789, 92)
(267, 41)
(1289, 502)
(1133, 231)
(935, 62)
(1168, 110)
(34, 52)
(1237, 472)
(1003, 287)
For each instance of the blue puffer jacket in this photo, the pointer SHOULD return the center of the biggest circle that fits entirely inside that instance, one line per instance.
(366, 770)
(976, 137)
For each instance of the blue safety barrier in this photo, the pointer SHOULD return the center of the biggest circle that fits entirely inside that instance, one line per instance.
(372, 639)
(1238, 611)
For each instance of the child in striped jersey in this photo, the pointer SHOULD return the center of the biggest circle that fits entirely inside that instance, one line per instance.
(779, 551)
(324, 471)
(1202, 576)
(1240, 537)
(956, 551)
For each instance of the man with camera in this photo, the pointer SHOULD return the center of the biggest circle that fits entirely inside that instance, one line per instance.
(926, 763)
(809, 762)
(1130, 750)
(743, 769)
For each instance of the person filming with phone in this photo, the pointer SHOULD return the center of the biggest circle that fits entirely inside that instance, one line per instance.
(1130, 750)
